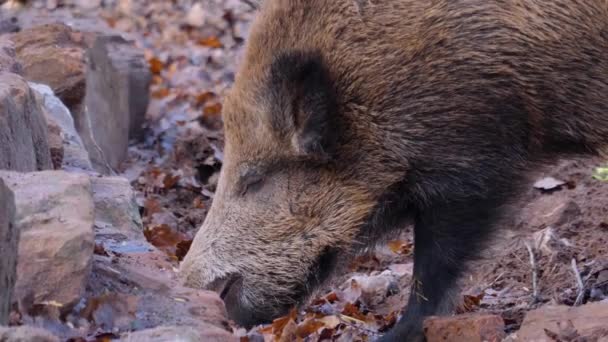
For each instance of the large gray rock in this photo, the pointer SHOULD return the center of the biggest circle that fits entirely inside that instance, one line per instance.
(116, 211)
(23, 130)
(55, 213)
(117, 87)
(74, 153)
(9, 239)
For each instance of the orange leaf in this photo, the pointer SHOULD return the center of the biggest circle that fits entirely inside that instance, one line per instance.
(308, 327)
(400, 247)
(211, 42)
(351, 310)
(213, 109)
(160, 93)
(156, 66)
(167, 240)
(204, 97)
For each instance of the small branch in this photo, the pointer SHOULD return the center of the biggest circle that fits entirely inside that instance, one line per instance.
(534, 272)
(579, 282)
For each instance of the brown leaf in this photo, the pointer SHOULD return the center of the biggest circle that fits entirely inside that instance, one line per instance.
(211, 42)
(202, 98)
(160, 93)
(213, 110)
(165, 239)
(156, 65)
(308, 327)
(470, 302)
(182, 249)
(170, 181)
(152, 206)
(352, 310)
(400, 247)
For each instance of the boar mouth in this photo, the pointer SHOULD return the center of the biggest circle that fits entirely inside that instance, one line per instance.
(230, 288)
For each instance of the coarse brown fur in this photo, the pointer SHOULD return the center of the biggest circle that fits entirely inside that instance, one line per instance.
(348, 117)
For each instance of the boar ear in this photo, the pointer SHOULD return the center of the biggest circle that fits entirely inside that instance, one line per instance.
(304, 96)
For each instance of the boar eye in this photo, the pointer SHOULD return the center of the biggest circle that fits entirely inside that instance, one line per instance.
(252, 183)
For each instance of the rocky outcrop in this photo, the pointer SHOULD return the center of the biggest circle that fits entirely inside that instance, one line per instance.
(118, 80)
(101, 78)
(23, 130)
(54, 215)
(9, 239)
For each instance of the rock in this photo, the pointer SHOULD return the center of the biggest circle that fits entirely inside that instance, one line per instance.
(180, 333)
(54, 54)
(23, 131)
(590, 320)
(9, 25)
(26, 334)
(55, 143)
(54, 215)
(9, 240)
(8, 62)
(118, 78)
(116, 211)
(75, 155)
(465, 328)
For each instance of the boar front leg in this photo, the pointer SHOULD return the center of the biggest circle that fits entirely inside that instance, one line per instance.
(446, 236)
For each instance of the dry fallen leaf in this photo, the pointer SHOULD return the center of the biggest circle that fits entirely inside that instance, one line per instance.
(171, 242)
(156, 65)
(212, 42)
(212, 110)
(400, 247)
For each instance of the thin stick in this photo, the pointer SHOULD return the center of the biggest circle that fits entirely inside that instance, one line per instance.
(534, 272)
(579, 282)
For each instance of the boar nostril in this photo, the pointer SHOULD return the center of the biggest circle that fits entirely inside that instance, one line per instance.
(222, 285)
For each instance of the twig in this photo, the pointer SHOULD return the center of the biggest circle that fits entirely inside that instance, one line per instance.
(579, 282)
(534, 272)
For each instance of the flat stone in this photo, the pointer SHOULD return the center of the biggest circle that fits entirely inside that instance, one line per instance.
(54, 215)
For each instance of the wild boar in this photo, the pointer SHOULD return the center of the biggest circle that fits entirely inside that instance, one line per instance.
(349, 117)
